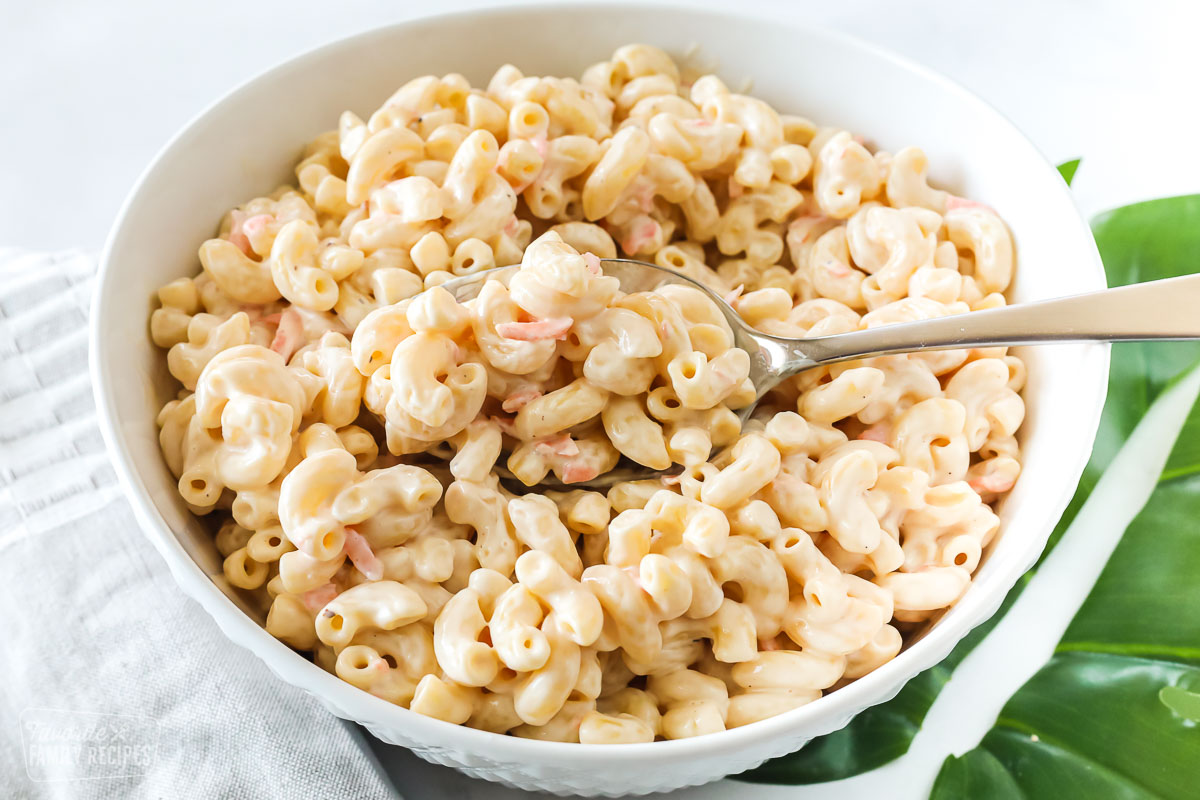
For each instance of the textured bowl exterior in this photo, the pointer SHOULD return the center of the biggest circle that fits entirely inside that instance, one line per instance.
(245, 145)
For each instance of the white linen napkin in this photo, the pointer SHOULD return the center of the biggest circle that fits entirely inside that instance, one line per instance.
(112, 682)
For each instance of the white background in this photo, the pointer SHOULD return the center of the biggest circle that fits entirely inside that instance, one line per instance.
(90, 91)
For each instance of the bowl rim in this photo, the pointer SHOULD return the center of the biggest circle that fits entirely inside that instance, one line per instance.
(835, 708)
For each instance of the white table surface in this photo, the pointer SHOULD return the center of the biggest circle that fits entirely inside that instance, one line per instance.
(90, 91)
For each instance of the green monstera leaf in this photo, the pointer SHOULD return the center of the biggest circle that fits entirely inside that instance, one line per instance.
(1067, 170)
(1141, 242)
(1114, 713)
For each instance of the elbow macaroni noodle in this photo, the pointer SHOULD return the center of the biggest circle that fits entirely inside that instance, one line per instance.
(343, 426)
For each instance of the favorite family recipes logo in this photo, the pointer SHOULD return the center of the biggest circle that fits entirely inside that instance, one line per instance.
(80, 745)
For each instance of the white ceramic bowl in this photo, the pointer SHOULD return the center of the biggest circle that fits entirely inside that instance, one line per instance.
(247, 143)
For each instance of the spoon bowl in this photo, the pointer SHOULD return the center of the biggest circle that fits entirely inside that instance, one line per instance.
(769, 355)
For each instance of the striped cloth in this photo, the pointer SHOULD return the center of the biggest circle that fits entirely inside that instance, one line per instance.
(114, 683)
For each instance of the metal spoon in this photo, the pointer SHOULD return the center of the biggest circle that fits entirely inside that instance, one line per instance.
(1166, 309)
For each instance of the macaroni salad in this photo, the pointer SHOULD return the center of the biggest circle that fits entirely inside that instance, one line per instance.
(342, 418)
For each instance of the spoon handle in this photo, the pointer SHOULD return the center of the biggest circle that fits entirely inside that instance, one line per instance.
(1164, 309)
